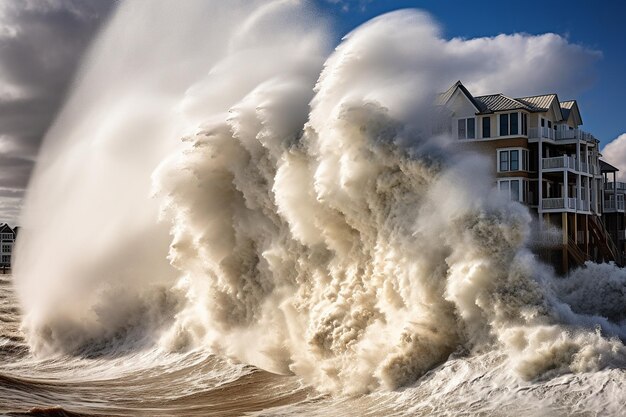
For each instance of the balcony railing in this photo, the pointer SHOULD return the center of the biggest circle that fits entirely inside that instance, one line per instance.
(574, 134)
(582, 205)
(610, 186)
(612, 205)
(550, 133)
(558, 204)
(584, 167)
(535, 132)
(559, 162)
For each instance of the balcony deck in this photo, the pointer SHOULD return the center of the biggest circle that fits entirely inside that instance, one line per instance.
(570, 163)
(546, 133)
(560, 204)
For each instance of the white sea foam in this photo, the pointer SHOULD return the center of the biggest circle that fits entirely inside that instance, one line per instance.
(340, 241)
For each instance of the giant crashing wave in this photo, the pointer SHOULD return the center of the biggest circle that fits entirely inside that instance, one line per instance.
(314, 227)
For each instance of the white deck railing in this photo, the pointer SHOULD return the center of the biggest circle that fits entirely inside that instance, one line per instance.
(584, 167)
(574, 134)
(559, 162)
(560, 204)
(610, 185)
(611, 205)
(546, 133)
(552, 203)
(550, 133)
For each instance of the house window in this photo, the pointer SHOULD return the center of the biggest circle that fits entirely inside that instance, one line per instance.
(467, 128)
(514, 123)
(504, 160)
(509, 124)
(504, 125)
(524, 124)
(486, 127)
(6, 236)
(512, 188)
(512, 160)
(6, 248)
(6, 259)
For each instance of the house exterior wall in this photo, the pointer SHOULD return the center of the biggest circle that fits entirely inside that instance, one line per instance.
(7, 242)
(561, 183)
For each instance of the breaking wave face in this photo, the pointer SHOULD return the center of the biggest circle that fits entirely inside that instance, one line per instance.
(312, 223)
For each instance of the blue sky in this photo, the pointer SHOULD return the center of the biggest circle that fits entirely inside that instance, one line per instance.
(596, 25)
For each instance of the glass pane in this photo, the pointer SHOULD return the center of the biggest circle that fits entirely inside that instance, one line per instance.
(461, 128)
(504, 186)
(524, 124)
(543, 122)
(504, 161)
(514, 160)
(549, 124)
(525, 160)
(514, 123)
(515, 190)
(471, 128)
(504, 125)
(486, 127)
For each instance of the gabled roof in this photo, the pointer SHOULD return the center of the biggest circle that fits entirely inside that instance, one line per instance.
(443, 98)
(4, 228)
(500, 102)
(571, 107)
(543, 103)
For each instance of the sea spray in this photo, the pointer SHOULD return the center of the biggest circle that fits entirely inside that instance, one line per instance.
(341, 241)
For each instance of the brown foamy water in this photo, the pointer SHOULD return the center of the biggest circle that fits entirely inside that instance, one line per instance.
(153, 383)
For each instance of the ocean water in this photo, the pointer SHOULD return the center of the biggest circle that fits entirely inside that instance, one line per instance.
(235, 219)
(157, 383)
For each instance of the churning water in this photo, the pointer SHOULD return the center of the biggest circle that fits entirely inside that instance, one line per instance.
(308, 247)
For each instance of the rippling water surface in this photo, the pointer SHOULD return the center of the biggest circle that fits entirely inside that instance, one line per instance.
(153, 383)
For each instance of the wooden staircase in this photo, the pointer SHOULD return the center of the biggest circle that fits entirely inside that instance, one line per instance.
(576, 254)
(607, 247)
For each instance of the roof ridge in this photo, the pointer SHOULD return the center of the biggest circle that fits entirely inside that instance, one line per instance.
(487, 95)
(510, 98)
(540, 95)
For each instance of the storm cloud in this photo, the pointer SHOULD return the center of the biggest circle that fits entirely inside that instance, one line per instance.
(41, 43)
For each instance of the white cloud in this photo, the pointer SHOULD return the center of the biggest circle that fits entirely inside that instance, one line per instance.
(522, 64)
(615, 154)
(514, 64)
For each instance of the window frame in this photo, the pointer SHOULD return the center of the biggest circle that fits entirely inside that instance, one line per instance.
(505, 185)
(488, 124)
(523, 159)
(464, 122)
(516, 123)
